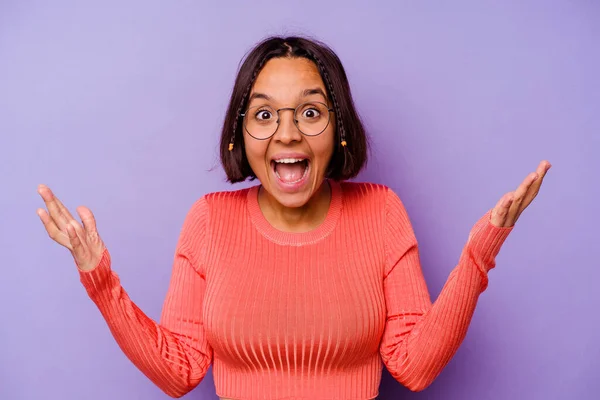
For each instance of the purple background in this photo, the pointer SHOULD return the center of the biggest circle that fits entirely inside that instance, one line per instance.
(117, 105)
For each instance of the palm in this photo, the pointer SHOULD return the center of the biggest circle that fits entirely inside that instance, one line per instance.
(512, 204)
(83, 242)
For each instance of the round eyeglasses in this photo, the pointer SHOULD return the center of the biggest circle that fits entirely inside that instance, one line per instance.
(261, 122)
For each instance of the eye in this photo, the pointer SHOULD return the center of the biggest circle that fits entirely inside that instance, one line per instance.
(311, 113)
(263, 115)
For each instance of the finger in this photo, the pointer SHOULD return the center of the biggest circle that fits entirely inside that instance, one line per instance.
(52, 230)
(88, 219)
(79, 230)
(500, 211)
(53, 208)
(64, 210)
(79, 249)
(535, 188)
(519, 196)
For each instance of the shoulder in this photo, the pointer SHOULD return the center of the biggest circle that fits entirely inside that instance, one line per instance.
(375, 198)
(371, 200)
(225, 198)
(207, 210)
(217, 203)
(368, 192)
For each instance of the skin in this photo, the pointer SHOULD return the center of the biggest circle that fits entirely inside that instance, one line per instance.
(86, 246)
(283, 81)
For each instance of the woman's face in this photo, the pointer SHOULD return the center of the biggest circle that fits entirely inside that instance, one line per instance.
(290, 166)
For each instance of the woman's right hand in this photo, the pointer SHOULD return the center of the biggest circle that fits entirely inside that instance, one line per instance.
(83, 242)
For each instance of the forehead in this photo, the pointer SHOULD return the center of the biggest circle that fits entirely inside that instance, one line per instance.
(281, 76)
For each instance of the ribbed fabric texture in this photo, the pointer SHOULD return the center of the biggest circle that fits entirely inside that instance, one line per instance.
(311, 315)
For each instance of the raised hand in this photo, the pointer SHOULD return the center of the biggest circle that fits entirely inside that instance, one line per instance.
(512, 204)
(83, 242)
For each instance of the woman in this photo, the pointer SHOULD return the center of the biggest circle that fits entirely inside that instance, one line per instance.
(299, 287)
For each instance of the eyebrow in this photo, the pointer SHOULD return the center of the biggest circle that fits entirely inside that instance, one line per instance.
(257, 95)
(309, 92)
(305, 93)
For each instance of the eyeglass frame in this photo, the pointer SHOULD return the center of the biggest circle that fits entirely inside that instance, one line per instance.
(243, 116)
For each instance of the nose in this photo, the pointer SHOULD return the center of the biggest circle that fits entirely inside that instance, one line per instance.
(287, 131)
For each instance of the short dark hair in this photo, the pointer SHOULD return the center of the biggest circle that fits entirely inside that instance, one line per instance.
(347, 161)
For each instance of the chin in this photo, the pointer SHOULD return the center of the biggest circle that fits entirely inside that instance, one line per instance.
(293, 194)
(291, 178)
(292, 200)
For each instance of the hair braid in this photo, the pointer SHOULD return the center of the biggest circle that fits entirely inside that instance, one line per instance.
(347, 159)
(243, 100)
(336, 105)
(338, 114)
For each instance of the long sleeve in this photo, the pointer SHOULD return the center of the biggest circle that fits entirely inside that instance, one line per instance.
(420, 338)
(174, 353)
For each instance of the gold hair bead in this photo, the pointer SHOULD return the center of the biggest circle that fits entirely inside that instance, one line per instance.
(344, 143)
(230, 146)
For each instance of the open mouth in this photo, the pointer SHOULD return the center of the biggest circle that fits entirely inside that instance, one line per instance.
(290, 171)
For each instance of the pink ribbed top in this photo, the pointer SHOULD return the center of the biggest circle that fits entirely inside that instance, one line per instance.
(310, 315)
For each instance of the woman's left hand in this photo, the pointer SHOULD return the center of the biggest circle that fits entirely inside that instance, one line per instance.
(512, 204)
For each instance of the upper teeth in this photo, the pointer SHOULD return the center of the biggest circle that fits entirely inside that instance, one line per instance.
(289, 160)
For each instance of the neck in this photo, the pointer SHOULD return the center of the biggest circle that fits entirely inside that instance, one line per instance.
(296, 219)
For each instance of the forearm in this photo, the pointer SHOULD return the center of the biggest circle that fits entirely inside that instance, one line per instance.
(421, 337)
(167, 360)
(421, 355)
